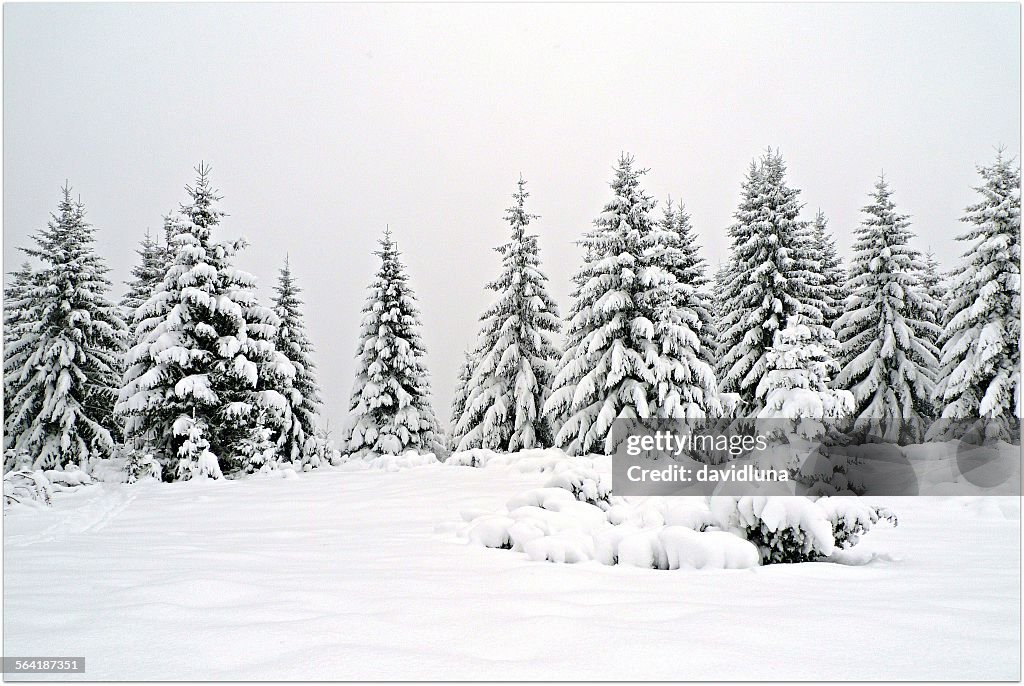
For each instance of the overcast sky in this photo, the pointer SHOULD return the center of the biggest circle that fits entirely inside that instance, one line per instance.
(325, 122)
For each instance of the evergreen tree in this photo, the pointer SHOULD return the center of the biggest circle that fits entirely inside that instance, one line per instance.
(14, 306)
(203, 368)
(460, 396)
(146, 275)
(773, 277)
(932, 306)
(66, 338)
(979, 375)
(631, 350)
(887, 356)
(302, 390)
(690, 268)
(830, 269)
(390, 406)
(515, 354)
(801, 362)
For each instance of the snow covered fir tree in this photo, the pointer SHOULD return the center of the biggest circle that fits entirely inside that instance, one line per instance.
(62, 350)
(146, 274)
(390, 409)
(515, 353)
(203, 367)
(297, 437)
(979, 373)
(631, 350)
(771, 277)
(830, 270)
(888, 362)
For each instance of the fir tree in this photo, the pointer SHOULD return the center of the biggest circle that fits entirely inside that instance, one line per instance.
(14, 305)
(303, 392)
(887, 356)
(66, 338)
(979, 375)
(801, 362)
(462, 389)
(514, 354)
(203, 365)
(832, 276)
(773, 277)
(146, 275)
(630, 348)
(390, 409)
(689, 268)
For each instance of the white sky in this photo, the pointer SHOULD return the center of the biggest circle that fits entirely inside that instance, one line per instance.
(325, 122)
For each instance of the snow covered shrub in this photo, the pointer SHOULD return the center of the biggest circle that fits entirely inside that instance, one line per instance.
(257, 450)
(797, 529)
(474, 457)
(23, 486)
(141, 464)
(795, 387)
(194, 456)
(15, 459)
(784, 529)
(585, 484)
(851, 518)
(318, 451)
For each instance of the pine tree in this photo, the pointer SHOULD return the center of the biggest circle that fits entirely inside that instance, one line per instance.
(887, 357)
(462, 388)
(390, 409)
(145, 276)
(514, 355)
(801, 362)
(933, 282)
(14, 306)
(690, 271)
(830, 269)
(60, 368)
(979, 375)
(204, 360)
(630, 348)
(773, 277)
(302, 391)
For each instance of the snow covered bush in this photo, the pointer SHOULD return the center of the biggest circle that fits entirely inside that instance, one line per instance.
(26, 486)
(852, 518)
(585, 484)
(194, 457)
(141, 464)
(795, 387)
(789, 529)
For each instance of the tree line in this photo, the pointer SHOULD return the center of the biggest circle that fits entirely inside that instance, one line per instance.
(190, 375)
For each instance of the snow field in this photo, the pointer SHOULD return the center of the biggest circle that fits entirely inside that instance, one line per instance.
(338, 574)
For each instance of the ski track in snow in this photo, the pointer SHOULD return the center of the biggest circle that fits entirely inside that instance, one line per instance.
(341, 575)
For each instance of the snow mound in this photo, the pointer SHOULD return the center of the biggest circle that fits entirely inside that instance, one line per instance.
(26, 487)
(389, 463)
(534, 461)
(69, 478)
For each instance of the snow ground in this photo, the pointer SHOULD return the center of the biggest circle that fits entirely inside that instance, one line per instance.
(341, 574)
